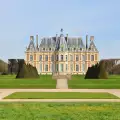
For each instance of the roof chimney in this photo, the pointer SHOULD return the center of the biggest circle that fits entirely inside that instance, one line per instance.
(91, 38)
(36, 41)
(31, 37)
(86, 41)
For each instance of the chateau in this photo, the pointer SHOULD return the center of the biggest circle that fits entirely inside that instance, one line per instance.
(61, 54)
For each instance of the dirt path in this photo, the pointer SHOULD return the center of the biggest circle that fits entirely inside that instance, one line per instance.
(6, 92)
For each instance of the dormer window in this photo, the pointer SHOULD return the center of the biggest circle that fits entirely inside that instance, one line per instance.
(81, 49)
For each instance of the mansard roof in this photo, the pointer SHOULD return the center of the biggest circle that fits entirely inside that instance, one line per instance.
(58, 43)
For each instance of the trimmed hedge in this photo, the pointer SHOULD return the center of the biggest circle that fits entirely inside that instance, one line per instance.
(97, 71)
(26, 71)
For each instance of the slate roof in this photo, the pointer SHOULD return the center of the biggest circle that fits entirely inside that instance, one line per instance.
(56, 43)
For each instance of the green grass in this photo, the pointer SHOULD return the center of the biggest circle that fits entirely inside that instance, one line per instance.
(60, 95)
(45, 81)
(59, 111)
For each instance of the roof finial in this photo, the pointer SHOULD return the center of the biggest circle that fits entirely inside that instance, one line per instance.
(61, 30)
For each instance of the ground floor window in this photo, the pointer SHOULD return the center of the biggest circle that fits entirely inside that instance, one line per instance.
(71, 67)
(77, 68)
(31, 57)
(83, 67)
(61, 67)
(46, 67)
(40, 67)
(56, 67)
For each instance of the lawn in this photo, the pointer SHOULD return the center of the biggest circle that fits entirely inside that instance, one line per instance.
(60, 95)
(59, 111)
(45, 81)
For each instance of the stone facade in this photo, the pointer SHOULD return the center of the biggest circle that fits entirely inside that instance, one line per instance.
(61, 54)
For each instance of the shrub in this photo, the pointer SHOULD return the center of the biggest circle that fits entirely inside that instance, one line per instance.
(97, 71)
(27, 71)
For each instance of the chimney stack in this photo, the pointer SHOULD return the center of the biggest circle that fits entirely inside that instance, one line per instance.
(36, 41)
(86, 41)
(91, 38)
(31, 37)
(67, 36)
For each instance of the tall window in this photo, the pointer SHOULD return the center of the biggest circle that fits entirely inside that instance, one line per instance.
(40, 58)
(46, 57)
(61, 67)
(71, 67)
(66, 67)
(56, 67)
(92, 57)
(71, 58)
(77, 58)
(31, 57)
(40, 67)
(46, 67)
(83, 57)
(66, 58)
(56, 57)
(52, 57)
(52, 65)
(83, 67)
(77, 68)
(61, 57)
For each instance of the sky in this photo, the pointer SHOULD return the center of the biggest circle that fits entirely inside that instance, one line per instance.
(19, 19)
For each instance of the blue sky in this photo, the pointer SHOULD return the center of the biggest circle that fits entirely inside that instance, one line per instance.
(21, 18)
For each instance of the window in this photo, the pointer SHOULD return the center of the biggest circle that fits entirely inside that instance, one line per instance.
(56, 57)
(52, 57)
(77, 68)
(56, 67)
(52, 65)
(46, 67)
(81, 49)
(83, 57)
(43, 49)
(40, 58)
(46, 57)
(74, 48)
(71, 67)
(68, 49)
(66, 57)
(61, 67)
(49, 49)
(83, 67)
(77, 58)
(61, 57)
(40, 67)
(92, 57)
(66, 67)
(71, 58)
(31, 57)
